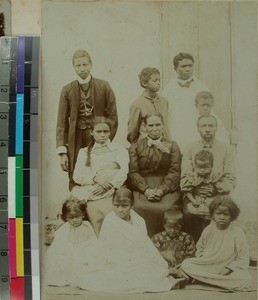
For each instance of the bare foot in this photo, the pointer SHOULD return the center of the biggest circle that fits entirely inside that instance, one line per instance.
(178, 273)
(178, 283)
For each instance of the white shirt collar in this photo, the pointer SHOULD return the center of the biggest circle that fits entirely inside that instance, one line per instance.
(82, 81)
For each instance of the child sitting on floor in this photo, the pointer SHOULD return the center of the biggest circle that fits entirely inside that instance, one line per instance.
(70, 246)
(222, 255)
(133, 264)
(173, 244)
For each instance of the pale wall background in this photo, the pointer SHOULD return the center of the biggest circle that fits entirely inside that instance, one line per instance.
(221, 36)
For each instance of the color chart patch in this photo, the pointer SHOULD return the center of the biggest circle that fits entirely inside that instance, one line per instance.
(19, 245)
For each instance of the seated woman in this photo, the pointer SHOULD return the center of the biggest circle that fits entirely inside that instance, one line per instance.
(131, 263)
(101, 168)
(154, 174)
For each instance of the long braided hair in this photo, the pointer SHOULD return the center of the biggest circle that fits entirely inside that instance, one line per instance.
(97, 120)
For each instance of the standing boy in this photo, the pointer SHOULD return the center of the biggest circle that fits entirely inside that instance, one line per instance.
(148, 103)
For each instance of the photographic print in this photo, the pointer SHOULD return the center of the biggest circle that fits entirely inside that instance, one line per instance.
(5, 18)
(149, 159)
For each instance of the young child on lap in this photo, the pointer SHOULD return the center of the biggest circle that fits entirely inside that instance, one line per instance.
(199, 188)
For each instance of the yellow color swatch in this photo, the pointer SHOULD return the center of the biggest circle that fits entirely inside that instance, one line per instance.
(19, 247)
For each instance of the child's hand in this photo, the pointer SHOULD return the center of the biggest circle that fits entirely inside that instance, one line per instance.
(207, 190)
(211, 190)
(64, 162)
(225, 271)
(196, 202)
(99, 191)
(102, 182)
(50, 234)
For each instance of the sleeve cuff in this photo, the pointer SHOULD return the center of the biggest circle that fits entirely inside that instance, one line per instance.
(61, 150)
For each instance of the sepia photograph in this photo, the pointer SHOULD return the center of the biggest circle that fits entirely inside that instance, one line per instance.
(149, 150)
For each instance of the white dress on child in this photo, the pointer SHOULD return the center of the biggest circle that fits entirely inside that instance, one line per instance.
(219, 249)
(133, 264)
(72, 247)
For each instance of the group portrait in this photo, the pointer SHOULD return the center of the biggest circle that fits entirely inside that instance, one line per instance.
(149, 162)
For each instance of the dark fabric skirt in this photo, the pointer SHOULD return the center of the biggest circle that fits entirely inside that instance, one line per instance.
(153, 212)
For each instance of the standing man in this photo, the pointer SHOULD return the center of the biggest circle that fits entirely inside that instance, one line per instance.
(80, 102)
(181, 93)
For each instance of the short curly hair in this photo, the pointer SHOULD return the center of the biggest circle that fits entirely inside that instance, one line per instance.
(73, 204)
(146, 73)
(204, 155)
(180, 56)
(225, 200)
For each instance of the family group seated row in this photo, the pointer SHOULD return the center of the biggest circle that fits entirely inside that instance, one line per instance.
(183, 183)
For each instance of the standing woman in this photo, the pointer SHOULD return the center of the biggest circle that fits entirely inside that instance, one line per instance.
(154, 174)
(101, 168)
(80, 102)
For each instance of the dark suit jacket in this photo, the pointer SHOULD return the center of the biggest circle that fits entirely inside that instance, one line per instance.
(104, 103)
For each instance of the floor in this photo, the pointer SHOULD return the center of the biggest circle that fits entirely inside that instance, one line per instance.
(65, 294)
(193, 292)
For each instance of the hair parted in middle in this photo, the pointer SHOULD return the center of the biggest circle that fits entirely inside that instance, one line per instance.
(97, 120)
(124, 193)
(155, 114)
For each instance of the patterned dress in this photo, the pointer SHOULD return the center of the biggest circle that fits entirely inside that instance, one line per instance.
(175, 249)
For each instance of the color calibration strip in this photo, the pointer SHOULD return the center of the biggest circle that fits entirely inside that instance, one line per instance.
(19, 245)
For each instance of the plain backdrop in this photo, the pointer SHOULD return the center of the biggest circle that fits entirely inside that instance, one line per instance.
(123, 37)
